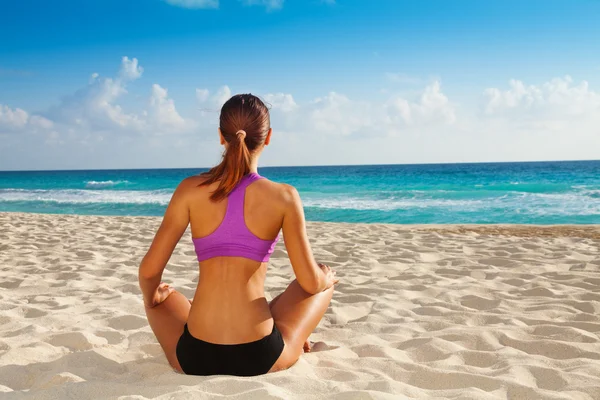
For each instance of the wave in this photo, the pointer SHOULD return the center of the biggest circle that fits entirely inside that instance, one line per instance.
(104, 184)
(77, 196)
(593, 193)
(541, 204)
(579, 202)
(389, 204)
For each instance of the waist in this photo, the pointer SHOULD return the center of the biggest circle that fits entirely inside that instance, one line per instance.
(232, 321)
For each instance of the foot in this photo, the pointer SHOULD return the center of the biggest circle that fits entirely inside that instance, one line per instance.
(306, 346)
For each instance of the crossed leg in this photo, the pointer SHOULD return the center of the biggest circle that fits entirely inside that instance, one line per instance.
(295, 312)
(167, 321)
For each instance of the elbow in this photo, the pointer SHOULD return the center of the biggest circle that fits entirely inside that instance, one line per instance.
(309, 288)
(144, 275)
(145, 272)
(312, 286)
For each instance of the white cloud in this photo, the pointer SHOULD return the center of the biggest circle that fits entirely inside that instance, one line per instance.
(163, 111)
(194, 3)
(222, 95)
(10, 118)
(130, 69)
(93, 107)
(557, 110)
(269, 4)
(99, 126)
(433, 106)
(215, 101)
(556, 98)
(281, 101)
(39, 121)
(202, 95)
(18, 119)
(336, 114)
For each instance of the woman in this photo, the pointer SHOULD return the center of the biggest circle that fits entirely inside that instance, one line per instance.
(235, 218)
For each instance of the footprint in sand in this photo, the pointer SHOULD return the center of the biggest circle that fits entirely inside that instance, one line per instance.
(11, 284)
(67, 276)
(480, 359)
(60, 379)
(514, 282)
(127, 322)
(76, 341)
(84, 254)
(34, 313)
(29, 330)
(479, 303)
(112, 337)
(538, 292)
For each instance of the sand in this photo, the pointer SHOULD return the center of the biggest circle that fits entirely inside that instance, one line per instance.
(460, 312)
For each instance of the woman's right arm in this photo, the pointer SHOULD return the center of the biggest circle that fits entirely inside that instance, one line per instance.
(312, 277)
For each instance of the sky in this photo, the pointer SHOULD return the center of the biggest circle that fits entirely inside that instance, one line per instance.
(138, 84)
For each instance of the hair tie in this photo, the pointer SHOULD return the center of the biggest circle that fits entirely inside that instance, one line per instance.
(242, 133)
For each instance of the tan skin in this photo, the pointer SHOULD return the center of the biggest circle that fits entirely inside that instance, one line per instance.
(229, 305)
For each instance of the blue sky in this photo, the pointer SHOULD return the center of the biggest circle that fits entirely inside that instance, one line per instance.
(386, 81)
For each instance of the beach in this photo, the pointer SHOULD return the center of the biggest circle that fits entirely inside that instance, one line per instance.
(421, 311)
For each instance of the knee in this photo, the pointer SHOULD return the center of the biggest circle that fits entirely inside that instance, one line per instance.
(288, 358)
(295, 284)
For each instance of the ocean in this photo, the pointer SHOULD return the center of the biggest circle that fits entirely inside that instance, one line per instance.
(483, 193)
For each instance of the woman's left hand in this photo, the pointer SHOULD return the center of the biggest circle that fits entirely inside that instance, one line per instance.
(162, 292)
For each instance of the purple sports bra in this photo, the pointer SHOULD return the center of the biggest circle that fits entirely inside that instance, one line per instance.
(233, 238)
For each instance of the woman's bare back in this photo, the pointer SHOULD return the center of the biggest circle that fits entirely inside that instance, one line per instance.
(229, 305)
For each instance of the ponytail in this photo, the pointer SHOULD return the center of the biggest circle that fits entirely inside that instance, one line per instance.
(241, 111)
(234, 166)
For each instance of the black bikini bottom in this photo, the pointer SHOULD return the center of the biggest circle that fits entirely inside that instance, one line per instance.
(198, 357)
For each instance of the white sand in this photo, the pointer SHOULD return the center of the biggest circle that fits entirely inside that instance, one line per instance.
(421, 312)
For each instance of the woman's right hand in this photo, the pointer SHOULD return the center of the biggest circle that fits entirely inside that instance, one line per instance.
(330, 277)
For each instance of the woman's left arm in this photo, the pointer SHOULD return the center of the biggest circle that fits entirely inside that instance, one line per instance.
(174, 224)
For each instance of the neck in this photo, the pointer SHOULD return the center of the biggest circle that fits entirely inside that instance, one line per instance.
(254, 165)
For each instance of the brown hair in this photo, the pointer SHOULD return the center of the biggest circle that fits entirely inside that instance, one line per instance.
(244, 124)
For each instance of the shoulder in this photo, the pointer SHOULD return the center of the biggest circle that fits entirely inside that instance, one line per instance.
(289, 193)
(191, 182)
(188, 186)
(284, 193)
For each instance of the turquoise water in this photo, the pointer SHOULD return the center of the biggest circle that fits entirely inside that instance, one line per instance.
(524, 193)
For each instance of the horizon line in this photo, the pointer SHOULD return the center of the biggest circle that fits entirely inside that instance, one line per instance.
(307, 166)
